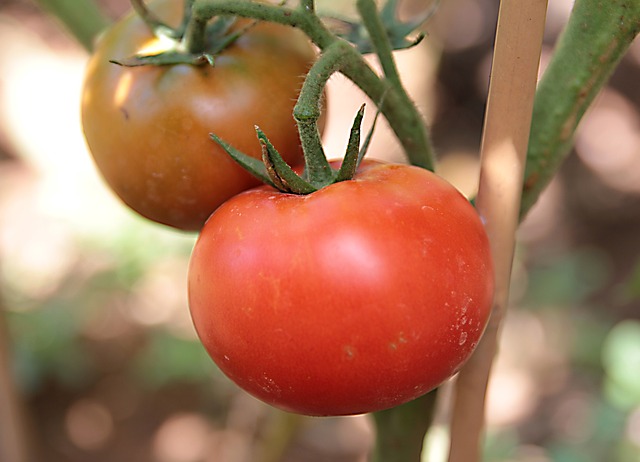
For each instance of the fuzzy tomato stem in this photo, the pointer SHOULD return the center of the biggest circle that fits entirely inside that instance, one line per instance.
(594, 41)
(307, 111)
(371, 19)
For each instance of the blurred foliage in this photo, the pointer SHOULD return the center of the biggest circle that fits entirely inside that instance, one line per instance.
(630, 288)
(621, 362)
(603, 352)
(167, 359)
(48, 349)
(567, 278)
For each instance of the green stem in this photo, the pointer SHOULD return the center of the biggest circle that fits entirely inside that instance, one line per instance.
(186, 15)
(371, 19)
(307, 111)
(308, 22)
(402, 115)
(401, 430)
(596, 37)
(411, 130)
(194, 36)
(82, 18)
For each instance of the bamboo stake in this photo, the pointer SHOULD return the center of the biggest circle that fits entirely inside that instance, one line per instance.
(503, 155)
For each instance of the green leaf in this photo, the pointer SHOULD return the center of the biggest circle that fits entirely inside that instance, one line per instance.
(355, 153)
(166, 58)
(281, 175)
(352, 156)
(250, 164)
(397, 31)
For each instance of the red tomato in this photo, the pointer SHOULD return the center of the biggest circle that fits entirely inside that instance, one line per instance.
(358, 297)
(148, 127)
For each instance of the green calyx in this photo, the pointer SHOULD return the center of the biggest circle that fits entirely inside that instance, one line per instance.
(195, 42)
(317, 174)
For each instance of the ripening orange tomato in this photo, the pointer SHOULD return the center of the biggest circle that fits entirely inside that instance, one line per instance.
(148, 127)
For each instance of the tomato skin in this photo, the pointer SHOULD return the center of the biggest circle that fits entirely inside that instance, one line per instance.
(356, 298)
(148, 127)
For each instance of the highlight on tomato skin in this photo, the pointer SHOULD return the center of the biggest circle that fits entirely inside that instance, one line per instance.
(148, 127)
(359, 297)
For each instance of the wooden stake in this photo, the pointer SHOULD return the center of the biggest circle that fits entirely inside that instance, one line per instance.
(503, 155)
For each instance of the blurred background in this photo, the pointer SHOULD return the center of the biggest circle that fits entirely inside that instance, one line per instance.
(98, 356)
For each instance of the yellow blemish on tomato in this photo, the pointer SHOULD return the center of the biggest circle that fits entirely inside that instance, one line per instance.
(156, 45)
(122, 89)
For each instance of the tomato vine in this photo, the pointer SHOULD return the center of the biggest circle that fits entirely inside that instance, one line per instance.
(388, 92)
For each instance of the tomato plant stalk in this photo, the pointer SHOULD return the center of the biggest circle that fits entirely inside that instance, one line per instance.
(401, 430)
(594, 40)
